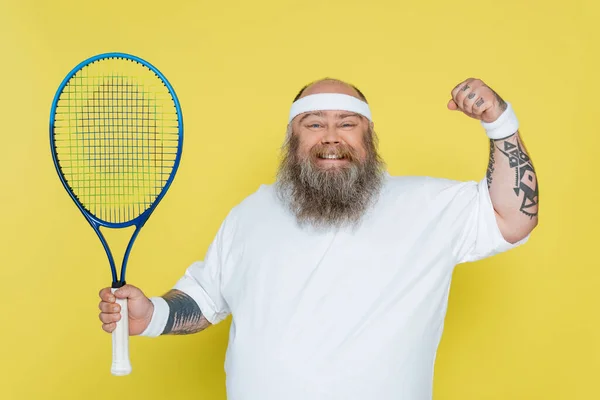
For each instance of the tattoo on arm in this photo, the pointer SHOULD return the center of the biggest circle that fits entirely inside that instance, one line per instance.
(490, 169)
(185, 316)
(525, 176)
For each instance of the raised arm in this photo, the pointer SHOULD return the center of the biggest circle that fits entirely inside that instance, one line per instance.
(513, 187)
(511, 177)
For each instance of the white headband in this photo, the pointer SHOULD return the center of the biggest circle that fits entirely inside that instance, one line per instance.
(329, 101)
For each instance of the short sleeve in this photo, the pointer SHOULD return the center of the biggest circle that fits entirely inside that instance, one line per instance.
(480, 235)
(202, 280)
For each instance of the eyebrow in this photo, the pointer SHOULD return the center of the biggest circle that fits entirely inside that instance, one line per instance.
(320, 114)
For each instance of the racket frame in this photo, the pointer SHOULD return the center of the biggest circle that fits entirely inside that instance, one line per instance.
(141, 219)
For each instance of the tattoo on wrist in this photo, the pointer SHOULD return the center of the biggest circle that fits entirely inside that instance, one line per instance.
(525, 176)
(185, 316)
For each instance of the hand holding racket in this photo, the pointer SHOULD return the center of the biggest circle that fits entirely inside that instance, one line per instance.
(116, 136)
(139, 309)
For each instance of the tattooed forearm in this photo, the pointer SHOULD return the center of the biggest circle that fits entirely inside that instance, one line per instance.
(490, 169)
(185, 316)
(524, 181)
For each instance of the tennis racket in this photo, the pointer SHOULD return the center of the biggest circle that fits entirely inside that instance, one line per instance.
(116, 136)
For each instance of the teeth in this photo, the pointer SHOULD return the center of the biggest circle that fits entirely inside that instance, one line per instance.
(331, 157)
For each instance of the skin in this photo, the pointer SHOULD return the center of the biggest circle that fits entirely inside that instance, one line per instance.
(512, 180)
(512, 184)
(185, 316)
(330, 128)
(139, 306)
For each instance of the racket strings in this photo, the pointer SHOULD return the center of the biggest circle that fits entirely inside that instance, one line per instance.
(116, 136)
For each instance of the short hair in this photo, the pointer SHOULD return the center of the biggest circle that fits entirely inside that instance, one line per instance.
(360, 94)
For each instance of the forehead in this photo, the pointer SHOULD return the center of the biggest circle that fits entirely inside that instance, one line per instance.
(330, 87)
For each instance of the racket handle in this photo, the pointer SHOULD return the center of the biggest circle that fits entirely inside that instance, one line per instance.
(120, 342)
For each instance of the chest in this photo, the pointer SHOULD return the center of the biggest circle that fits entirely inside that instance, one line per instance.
(278, 270)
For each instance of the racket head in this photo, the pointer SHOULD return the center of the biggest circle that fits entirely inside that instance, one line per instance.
(111, 117)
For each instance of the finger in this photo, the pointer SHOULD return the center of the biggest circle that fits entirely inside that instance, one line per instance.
(484, 104)
(452, 105)
(478, 106)
(129, 292)
(469, 101)
(464, 85)
(109, 307)
(461, 95)
(109, 327)
(108, 318)
(106, 295)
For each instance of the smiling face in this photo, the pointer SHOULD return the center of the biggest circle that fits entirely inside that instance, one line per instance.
(330, 172)
(331, 139)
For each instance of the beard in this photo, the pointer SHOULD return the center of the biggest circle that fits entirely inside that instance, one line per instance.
(326, 197)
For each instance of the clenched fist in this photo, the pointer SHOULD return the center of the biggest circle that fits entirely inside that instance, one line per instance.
(139, 306)
(477, 100)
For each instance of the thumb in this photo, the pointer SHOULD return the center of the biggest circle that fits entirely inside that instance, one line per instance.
(128, 292)
(452, 105)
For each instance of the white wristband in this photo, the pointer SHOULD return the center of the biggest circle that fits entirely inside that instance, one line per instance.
(159, 318)
(503, 127)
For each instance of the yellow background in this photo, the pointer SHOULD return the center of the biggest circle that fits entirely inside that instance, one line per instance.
(521, 325)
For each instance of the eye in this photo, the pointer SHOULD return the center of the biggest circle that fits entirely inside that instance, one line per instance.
(348, 125)
(314, 125)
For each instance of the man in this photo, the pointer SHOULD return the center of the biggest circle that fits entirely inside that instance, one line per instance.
(337, 276)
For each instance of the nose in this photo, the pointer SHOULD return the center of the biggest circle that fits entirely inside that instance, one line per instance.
(331, 136)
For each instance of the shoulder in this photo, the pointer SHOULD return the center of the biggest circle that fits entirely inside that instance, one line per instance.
(440, 203)
(424, 184)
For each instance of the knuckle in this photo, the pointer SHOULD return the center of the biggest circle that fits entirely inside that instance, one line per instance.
(106, 295)
(129, 286)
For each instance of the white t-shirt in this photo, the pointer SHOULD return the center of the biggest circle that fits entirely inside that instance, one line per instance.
(348, 314)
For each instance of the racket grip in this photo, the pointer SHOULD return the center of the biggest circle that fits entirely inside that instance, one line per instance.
(120, 342)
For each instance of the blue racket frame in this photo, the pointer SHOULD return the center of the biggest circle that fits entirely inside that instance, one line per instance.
(139, 221)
